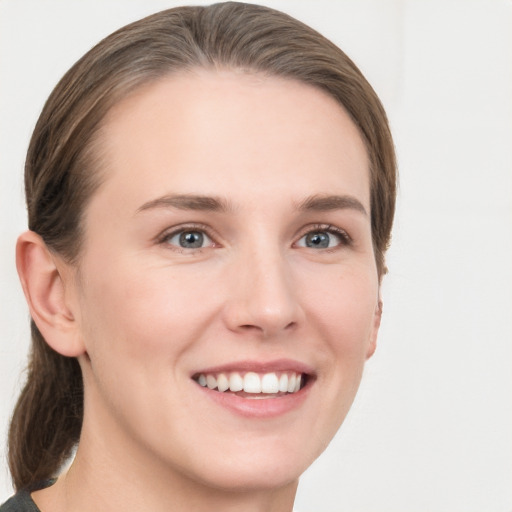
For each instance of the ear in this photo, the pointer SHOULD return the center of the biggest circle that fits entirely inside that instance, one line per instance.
(44, 286)
(375, 329)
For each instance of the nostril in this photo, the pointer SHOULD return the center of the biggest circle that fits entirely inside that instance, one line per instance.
(249, 327)
(266, 330)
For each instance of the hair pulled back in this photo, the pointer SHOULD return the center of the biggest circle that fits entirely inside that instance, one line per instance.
(60, 169)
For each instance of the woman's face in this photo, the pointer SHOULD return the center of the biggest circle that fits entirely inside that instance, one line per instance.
(229, 245)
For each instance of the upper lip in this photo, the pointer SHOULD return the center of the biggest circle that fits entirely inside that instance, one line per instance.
(278, 365)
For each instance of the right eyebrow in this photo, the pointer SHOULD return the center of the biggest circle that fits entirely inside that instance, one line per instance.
(187, 202)
(324, 203)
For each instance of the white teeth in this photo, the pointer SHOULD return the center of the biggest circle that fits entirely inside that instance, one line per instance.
(253, 383)
(298, 383)
(283, 382)
(222, 382)
(291, 383)
(270, 383)
(211, 381)
(236, 383)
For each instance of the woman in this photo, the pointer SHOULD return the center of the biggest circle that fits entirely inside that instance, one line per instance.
(210, 192)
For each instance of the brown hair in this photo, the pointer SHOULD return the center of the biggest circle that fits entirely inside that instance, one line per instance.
(60, 166)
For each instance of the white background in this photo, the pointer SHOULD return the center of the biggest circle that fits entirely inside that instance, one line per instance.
(431, 429)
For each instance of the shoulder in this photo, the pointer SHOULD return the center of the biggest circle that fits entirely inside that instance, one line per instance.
(20, 502)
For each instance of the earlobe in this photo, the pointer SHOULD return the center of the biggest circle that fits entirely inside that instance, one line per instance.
(44, 287)
(375, 330)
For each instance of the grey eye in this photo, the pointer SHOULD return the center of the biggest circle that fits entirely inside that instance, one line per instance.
(320, 240)
(189, 239)
(317, 239)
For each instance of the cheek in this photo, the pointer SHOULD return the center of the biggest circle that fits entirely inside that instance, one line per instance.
(344, 313)
(344, 302)
(138, 324)
(143, 312)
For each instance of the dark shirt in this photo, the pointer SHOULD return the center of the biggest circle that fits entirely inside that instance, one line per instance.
(22, 501)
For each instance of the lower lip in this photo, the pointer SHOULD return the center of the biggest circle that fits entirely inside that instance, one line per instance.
(258, 407)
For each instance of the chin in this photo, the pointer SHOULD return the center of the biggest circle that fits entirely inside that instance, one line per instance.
(254, 477)
(260, 468)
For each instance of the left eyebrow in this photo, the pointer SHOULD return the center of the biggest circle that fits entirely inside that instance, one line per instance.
(187, 202)
(324, 203)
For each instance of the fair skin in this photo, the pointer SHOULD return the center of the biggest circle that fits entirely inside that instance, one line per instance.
(230, 235)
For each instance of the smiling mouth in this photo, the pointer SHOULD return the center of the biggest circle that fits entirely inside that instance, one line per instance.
(253, 385)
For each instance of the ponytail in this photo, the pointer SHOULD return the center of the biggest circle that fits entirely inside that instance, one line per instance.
(47, 418)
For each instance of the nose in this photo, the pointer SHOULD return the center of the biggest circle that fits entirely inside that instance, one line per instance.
(262, 296)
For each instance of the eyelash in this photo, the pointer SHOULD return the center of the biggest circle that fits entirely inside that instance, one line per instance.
(163, 239)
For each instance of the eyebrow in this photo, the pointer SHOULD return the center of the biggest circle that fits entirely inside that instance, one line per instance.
(188, 202)
(325, 203)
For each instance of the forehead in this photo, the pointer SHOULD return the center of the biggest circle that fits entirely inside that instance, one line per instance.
(244, 131)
